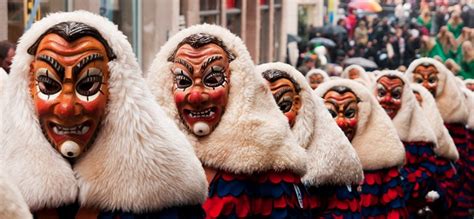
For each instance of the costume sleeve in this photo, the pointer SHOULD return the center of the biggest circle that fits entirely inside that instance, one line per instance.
(280, 195)
(228, 196)
(342, 202)
(382, 194)
(418, 174)
(459, 134)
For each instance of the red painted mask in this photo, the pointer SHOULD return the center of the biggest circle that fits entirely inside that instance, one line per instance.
(389, 94)
(287, 98)
(69, 88)
(315, 80)
(344, 109)
(427, 76)
(201, 86)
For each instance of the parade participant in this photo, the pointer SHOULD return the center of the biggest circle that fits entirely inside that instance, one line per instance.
(333, 167)
(393, 92)
(445, 150)
(435, 77)
(376, 142)
(469, 84)
(82, 135)
(315, 77)
(206, 79)
(357, 73)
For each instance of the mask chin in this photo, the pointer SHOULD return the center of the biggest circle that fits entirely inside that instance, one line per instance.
(70, 149)
(201, 129)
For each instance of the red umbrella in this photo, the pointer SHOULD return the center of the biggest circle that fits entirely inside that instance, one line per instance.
(366, 5)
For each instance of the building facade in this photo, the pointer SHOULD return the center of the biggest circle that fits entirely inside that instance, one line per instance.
(262, 24)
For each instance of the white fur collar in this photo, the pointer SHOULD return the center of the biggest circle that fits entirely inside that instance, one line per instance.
(331, 157)
(12, 204)
(253, 135)
(410, 121)
(363, 75)
(317, 71)
(376, 140)
(140, 160)
(445, 144)
(449, 98)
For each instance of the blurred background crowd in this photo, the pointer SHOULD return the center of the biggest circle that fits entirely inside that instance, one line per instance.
(367, 36)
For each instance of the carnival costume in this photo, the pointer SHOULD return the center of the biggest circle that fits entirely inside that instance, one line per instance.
(357, 73)
(450, 102)
(138, 164)
(333, 168)
(206, 79)
(376, 142)
(393, 91)
(316, 77)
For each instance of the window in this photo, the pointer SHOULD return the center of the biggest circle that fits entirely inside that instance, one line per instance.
(234, 16)
(209, 11)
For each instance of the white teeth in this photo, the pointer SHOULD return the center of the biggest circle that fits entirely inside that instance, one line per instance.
(75, 130)
(200, 114)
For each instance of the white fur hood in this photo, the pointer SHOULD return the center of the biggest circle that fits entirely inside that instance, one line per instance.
(140, 161)
(317, 71)
(449, 99)
(411, 123)
(376, 140)
(445, 144)
(12, 204)
(331, 157)
(363, 75)
(253, 135)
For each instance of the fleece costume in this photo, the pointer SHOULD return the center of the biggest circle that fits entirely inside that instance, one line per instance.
(333, 166)
(363, 78)
(414, 130)
(139, 164)
(257, 160)
(381, 152)
(451, 104)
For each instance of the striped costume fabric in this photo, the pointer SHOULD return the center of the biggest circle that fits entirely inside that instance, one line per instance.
(335, 202)
(269, 195)
(419, 175)
(470, 171)
(459, 134)
(382, 194)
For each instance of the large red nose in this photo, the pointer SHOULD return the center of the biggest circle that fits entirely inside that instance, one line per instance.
(196, 96)
(341, 122)
(66, 108)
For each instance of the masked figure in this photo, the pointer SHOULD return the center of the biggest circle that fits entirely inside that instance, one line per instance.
(446, 151)
(376, 142)
(315, 77)
(332, 187)
(206, 79)
(91, 141)
(357, 73)
(441, 83)
(394, 94)
(469, 84)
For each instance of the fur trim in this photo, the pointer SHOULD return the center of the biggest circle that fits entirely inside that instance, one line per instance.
(468, 81)
(253, 135)
(376, 141)
(449, 98)
(331, 158)
(410, 121)
(12, 204)
(469, 95)
(140, 161)
(445, 146)
(316, 71)
(363, 76)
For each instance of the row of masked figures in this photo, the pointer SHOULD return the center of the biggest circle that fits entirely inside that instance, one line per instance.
(204, 133)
